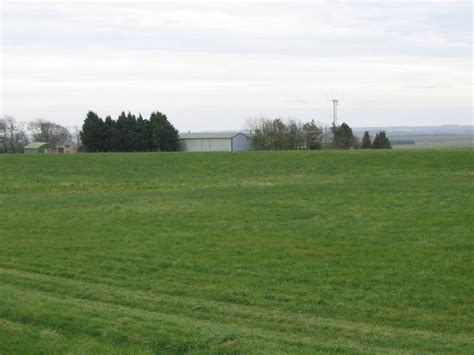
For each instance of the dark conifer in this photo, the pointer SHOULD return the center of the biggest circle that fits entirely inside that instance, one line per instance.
(165, 137)
(366, 143)
(92, 133)
(343, 136)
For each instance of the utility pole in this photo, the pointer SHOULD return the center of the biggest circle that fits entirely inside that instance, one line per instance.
(335, 102)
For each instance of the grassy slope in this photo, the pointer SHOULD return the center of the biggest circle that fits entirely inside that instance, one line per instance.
(292, 251)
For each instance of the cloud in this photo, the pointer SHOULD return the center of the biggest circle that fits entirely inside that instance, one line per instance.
(223, 62)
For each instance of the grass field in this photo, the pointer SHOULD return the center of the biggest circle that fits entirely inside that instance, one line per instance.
(260, 252)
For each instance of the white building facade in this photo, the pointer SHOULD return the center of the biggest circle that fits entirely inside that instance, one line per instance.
(214, 142)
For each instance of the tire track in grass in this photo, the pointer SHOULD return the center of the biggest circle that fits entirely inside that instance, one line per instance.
(175, 291)
(249, 317)
(148, 296)
(14, 337)
(99, 320)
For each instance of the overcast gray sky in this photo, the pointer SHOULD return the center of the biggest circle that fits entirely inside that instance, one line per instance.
(211, 66)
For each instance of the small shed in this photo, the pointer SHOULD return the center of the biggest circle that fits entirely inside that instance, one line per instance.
(214, 142)
(39, 147)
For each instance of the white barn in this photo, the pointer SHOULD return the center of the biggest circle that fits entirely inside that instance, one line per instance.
(214, 142)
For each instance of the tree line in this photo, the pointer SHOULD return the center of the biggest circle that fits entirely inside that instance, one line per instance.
(14, 135)
(292, 134)
(381, 141)
(128, 133)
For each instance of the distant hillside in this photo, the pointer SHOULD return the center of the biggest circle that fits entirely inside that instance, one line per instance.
(424, 136)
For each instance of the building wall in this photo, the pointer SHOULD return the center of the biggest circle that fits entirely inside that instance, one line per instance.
(42, 149)
(66, 147)
(32, 151)
(206, 145)
(240, 143)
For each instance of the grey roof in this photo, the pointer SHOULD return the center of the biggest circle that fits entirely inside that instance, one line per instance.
(36, 145)
(210, 135)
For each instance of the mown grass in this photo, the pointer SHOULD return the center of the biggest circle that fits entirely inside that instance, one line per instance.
(261, 252)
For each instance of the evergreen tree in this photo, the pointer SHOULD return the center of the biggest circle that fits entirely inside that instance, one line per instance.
(111, 135)
(381, 141)
(121, 127)
(127, 135)
(92, 134)
(385, 141)
(144, 135)
(313, 135)
(133, 135)
(366, 143)
(343, 136)
(164, 136)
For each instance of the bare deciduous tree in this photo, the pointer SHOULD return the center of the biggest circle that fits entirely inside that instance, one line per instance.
(3, 135)
(76, 135)
(12, 135)
(280, 134)
(46, 131)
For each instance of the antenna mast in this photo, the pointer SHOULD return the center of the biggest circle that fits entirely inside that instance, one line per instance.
(335, 102)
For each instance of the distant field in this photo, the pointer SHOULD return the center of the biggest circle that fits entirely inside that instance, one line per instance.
(433, 140)
(260, 252)
(448, 136)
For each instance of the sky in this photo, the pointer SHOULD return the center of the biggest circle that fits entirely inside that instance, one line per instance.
(214, 65)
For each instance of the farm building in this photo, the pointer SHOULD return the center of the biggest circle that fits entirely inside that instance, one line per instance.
(66, 147)
(39, 147)
(214, 142)
(48, 148)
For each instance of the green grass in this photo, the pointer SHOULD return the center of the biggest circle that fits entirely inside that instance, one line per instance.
(261, 252)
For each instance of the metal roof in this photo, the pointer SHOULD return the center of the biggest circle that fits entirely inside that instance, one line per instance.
(210, 135)
(36, 145)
